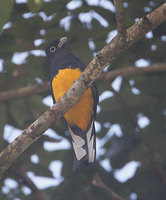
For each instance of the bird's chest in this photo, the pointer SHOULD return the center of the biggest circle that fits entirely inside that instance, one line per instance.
(80, 114)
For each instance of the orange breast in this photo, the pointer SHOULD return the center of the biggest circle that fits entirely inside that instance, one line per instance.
(80, 114)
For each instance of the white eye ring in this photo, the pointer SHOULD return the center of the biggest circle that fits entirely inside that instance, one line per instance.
(53, 49)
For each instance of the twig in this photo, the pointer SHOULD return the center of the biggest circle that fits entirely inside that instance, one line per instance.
(34, 89)
(93, 70)
(21, 174)
(24, 91)
(49, 139)
(99, 183)
(142, 134)
(120, 17)
(134, 70)
(21, 72)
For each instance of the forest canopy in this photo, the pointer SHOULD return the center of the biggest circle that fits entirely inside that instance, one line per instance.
(131, 114)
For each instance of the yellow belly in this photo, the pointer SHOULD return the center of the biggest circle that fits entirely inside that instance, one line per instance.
(80, 114)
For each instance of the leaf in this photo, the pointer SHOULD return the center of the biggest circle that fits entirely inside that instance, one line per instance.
(36, 106)
(118, 150)
(151, 86)
(19, 112)
(5, 10)
(147, 177)
(35, 5)
(113, 111)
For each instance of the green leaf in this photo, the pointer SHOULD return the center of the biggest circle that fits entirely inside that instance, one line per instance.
(36, 106)
(147, 177)
(35, 5)
(5, 10)
(19, 112)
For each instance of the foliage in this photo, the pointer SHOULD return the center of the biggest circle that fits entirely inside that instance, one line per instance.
(31, 25)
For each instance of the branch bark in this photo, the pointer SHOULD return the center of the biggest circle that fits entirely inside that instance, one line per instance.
(93, 70)
(99, 183)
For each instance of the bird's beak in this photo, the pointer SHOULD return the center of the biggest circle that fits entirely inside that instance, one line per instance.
(62, 41)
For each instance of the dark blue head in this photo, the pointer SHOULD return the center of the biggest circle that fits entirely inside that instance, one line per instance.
(56, 48)
(59, 55)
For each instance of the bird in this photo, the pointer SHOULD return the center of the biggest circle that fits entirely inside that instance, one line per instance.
(65, 70)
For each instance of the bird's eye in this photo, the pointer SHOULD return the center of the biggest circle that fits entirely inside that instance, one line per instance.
(53, 49)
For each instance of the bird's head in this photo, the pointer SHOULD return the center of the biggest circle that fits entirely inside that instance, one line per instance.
(56, 48)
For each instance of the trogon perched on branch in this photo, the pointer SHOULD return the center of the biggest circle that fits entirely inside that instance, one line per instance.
(65, 70)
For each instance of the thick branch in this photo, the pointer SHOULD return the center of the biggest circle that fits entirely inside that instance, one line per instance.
(134, 70)
(24, 91)
(99, 183)
(120, 17)
(133, 34)
(95, 67)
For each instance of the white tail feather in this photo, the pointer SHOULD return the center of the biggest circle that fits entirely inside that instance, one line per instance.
(78, 142)
(90, 143)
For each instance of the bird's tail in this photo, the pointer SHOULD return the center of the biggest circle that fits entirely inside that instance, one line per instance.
(84, 145)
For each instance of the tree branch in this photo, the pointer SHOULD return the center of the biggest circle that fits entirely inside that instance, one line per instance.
(99, 183)
(21, 174)
(17, 74)
(24, 91)
(34, 89)
(93, 70)
(134, 70)
(120, 17)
